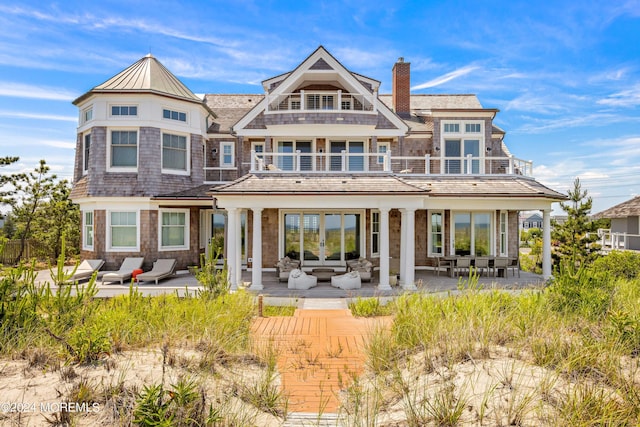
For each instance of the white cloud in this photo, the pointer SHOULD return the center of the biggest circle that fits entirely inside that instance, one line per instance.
(19, 90)
(59, 144)
(17, 115)
(625, 98)
(446, 77)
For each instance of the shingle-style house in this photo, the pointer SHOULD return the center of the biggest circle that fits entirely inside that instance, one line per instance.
(320, 167)
(625, 225)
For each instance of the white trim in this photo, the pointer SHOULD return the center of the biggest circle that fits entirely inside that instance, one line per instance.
(473, 213)
(110, 114)
(281, 237)
(506, 233)
(85, 161)
(110, 248)
(86, 115)
(84, 230)
(372, 253)
(430, 253)
(186, 232)
(386, 144)
(172, 109)
(231, 144)
(187, 154)
(108, 156)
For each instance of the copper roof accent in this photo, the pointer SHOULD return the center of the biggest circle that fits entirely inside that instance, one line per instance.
(622, 210)
(318, 184)
(483, 186)
(147, 75)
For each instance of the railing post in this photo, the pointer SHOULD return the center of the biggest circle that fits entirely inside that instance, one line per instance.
(511, 164)
(302, 101)
(339, 106)
(344, 160)
(469, 167)
(427, 164)
(297, 160)
(253, 161)
(387, 161)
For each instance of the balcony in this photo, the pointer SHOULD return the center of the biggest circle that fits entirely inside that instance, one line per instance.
(321, 101)
(386, 163)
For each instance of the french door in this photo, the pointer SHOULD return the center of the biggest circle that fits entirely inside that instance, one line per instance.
(322, 238)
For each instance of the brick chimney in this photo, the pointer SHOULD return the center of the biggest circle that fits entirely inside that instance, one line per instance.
(401, 88)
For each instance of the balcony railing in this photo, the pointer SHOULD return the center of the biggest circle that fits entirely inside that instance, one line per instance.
(323, 101)
(384, 162)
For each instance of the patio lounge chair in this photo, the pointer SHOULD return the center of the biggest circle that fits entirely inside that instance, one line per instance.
(347, 281)
(362, 266)
(285, 266)
(162, 268)
(125, 271)
(298, 279)
(87, 268)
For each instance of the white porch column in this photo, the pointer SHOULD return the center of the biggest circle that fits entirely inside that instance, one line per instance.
(231, 246)
(238, 238)
(409, 243)
(256, 273)
(403, 252)
(384, 249)
(546, 244)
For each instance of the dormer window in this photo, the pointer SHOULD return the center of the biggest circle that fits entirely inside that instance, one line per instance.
(174, 115)
(124, 110)
(463, 144)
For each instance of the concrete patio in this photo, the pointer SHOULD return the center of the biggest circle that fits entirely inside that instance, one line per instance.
(426, 281)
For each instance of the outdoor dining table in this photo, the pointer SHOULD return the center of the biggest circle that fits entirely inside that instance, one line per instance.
(452, 259)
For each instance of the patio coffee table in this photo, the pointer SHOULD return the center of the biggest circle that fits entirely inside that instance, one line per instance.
(323, 274)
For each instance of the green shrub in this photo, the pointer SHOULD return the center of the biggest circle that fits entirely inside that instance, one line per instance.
(369, 307)
(581, 292)
(619, 264)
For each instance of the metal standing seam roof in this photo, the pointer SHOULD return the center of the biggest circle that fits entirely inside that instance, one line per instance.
(146, 75)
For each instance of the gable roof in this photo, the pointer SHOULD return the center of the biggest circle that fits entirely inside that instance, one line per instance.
(147, 75)
(622, 210)
(320, 61)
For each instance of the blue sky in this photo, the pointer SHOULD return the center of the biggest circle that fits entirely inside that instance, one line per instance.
(564, 74)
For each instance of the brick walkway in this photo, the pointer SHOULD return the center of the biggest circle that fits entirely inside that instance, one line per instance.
(319, 352)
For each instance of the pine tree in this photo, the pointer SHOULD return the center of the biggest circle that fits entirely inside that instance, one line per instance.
(577, 236)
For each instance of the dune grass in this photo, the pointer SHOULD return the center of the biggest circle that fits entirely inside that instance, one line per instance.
(566, 355)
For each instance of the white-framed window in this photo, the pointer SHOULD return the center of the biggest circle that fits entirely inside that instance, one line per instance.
(175, 150)
(345, 104)
(452, 128)
(123, 233)
(383, 148)
(123, 149)
(375, 234)
(289, 162)
(174, 115)
(258, 148)
(472, 128)
(504, 233)
(86, 148)
(471, 233)
(124, 110)
(87, 230)
(462, 139)
(227, 154)
(295, 103)
(87, 114)
(436, 233)
(173, 226)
